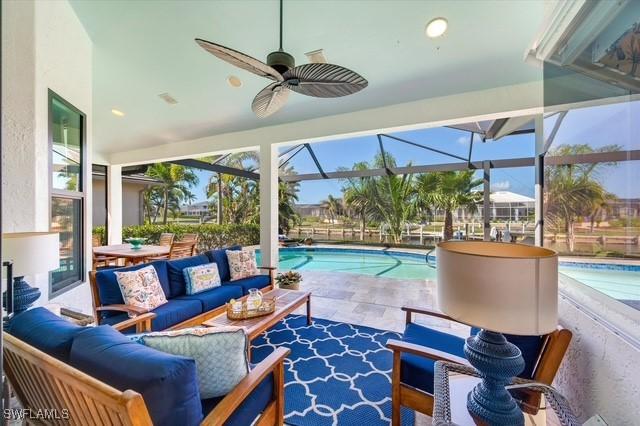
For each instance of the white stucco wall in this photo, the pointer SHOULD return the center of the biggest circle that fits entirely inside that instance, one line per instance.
(600, 373)
(44, 46)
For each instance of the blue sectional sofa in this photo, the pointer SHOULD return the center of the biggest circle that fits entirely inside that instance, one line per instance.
(166, 382)
(181, 308)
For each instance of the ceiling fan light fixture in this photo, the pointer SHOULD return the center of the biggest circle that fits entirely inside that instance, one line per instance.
(316, 79)
(234, 81)
(436, 27)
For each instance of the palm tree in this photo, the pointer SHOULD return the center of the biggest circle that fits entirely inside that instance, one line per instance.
(176, 183)
(393, 198)
(333, 206)
(222, 186)
(573, 190)
(357, 196)
(287, 197)
(449, 191)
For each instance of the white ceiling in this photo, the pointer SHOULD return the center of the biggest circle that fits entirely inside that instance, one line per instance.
(144, 48)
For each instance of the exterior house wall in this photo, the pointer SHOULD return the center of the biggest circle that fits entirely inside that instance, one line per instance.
(99, 212)
(44, 46)
(132, 203)
(132, 213)
(599, 374)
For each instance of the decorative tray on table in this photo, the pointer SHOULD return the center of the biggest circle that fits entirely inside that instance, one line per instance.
(267, 307)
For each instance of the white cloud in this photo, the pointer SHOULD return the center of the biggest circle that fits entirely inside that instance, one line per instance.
(463, 140)
(501, 185)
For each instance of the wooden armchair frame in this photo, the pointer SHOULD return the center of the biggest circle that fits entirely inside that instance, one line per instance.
(553, 349)
(42, 382)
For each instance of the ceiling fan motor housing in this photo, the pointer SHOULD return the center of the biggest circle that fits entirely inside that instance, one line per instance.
(281, 61)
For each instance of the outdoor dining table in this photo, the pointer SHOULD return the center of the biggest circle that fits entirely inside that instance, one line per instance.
(131, 256)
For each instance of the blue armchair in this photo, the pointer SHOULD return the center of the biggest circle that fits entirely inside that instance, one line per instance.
(415, 355)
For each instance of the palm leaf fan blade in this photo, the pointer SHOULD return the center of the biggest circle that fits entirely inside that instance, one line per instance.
(269, 100)
(240, 60)
(324, 80)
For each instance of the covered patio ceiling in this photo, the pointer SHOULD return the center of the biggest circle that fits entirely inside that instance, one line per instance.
(151, 51)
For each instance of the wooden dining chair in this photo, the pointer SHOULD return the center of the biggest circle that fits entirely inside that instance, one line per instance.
(166, 239)
(195, 238)
(420, 347)
(178, 249)
(100, 261)
(189, 237)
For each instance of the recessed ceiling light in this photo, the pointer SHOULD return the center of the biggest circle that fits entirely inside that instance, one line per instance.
(436, 27)
(117, 112)
(234, 81)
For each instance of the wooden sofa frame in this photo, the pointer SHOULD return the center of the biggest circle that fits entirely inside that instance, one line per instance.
(42, 382)
(134, 311)
(551, 355)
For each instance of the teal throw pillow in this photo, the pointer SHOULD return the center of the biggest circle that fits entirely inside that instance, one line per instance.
(220, 354)
(200, 278)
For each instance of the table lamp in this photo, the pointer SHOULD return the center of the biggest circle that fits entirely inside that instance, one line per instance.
(499, 288)
(27, 253)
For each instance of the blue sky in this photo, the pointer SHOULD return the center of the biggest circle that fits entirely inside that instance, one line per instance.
(597, 126)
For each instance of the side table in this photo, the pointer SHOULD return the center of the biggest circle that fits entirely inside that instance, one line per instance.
(452, 383)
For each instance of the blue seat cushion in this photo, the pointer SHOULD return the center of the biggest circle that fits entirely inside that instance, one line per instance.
(167, 315)
(257, 281)
(109, 290)
(177, 284)
(530, 346)
(250, 408)
(45, 331)
(220, 257)
(168, 383)
(418, 371)
(215, 297)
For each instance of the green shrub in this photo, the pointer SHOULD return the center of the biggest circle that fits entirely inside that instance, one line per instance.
(210, 235)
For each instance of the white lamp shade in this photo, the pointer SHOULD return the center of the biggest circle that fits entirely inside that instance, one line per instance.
(31, 252)
(501, 287)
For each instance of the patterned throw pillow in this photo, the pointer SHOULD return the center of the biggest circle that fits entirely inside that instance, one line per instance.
(242, 263)
(202, 277)
(141, 288)
(220, 354)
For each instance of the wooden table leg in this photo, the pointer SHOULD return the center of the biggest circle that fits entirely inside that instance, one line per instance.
(309, 310)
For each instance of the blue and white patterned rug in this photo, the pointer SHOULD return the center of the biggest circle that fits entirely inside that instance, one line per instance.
(336, 374)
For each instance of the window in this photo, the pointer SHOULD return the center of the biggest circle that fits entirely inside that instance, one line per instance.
(67, 139)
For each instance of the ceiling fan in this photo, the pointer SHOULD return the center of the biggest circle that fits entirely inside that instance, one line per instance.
(319, 80)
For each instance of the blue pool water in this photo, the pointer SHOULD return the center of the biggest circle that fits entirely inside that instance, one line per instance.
(618, 281)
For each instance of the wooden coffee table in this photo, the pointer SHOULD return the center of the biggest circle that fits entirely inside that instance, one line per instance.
(287, 301)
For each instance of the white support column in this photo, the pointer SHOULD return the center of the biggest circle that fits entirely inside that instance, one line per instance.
(114, 204)
(269, 205)
(486, 200)
(539, 188)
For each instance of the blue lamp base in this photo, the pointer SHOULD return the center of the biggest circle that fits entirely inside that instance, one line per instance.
(498, 361)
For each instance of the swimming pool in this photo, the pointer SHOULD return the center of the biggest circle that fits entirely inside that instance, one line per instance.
(387, 263)
(618, 281)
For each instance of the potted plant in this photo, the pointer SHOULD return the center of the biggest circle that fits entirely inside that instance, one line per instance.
(289, 280)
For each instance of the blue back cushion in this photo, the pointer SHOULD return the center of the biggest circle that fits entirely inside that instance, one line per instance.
(220, 257)
(168, 383)
(109, 290)
(418, 371)
(176, 277)
(530, 346)
(45, 331)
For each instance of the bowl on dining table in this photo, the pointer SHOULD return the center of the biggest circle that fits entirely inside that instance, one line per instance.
(136, 243)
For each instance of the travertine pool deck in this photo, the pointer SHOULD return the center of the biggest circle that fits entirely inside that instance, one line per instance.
(371, 301)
